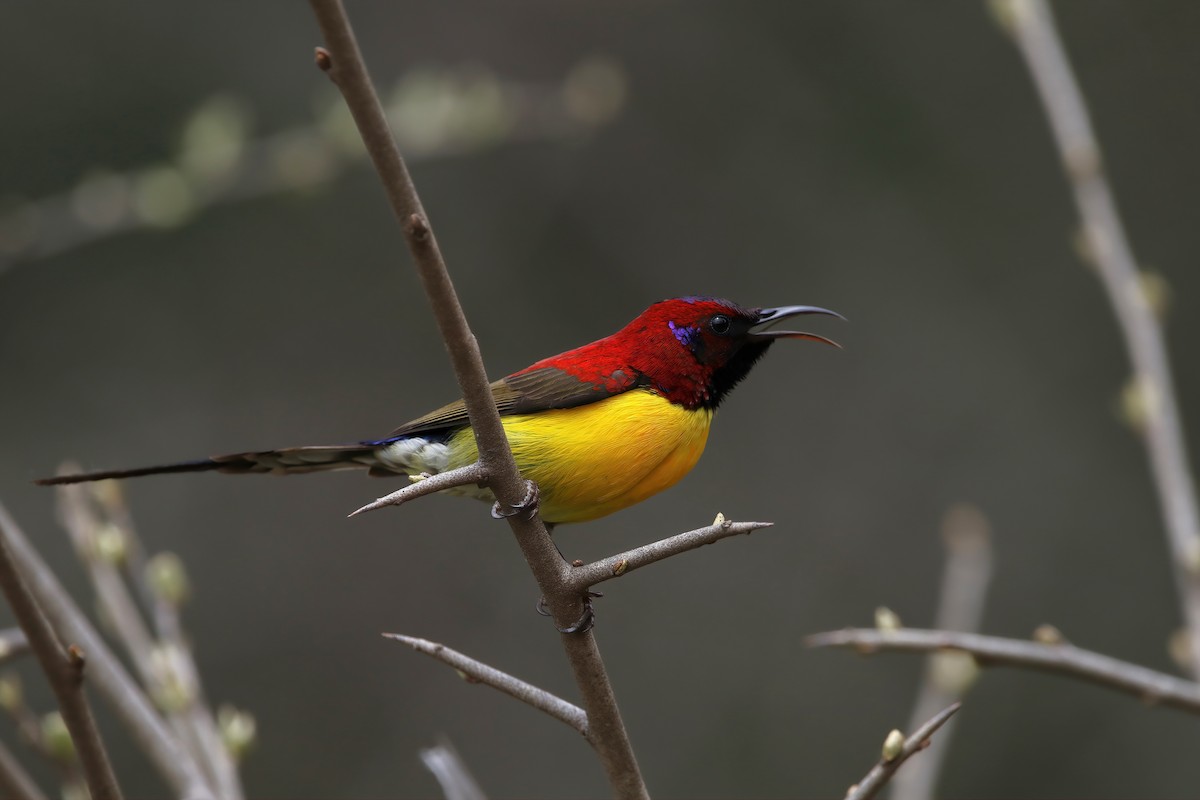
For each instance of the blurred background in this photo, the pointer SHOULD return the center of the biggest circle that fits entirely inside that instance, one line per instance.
(195, 259)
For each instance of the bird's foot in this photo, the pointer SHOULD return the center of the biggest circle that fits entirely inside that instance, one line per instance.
(586, 620)
(527, 505)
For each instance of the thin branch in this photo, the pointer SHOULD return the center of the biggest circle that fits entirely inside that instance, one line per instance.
(606, 731)
(14, 780)
(1108, 246)
(195, 722)
(64, 671)
(1153, 687)
(478, 672)
(605, 569)
(948, 676)
(107, 674)
(462, 476)
(874, 780)
(165, 663)
(452, 774)
(121, 614)
(222, 163)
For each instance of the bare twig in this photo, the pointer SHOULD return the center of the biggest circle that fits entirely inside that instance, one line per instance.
(452, 774)
(64, 671)
(874, 780)
(102, 531)
(1153, 687)
(1108, 247)
(606, 731)
(462, 476)
(605, 569)
(948, 676)
(221, 162)
(194, 722)
(107, 674)
(121, 614)
(478, 672)
(14, 780)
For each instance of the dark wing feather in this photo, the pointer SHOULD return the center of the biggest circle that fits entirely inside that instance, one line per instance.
(527, 392)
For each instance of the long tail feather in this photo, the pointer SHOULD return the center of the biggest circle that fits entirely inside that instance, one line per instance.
(289, 461)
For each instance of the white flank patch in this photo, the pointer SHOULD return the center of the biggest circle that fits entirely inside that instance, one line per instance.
(415, 455)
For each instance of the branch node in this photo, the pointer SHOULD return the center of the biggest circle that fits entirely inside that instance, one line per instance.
(324, 61)
(417, 227)
(76, 660)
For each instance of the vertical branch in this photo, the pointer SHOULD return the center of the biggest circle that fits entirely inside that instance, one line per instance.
(949, 675)
(344, 63)
(1037, 38)
(64, 671)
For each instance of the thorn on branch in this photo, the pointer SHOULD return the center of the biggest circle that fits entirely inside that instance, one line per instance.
(461, 476)
(614, 566)
(478, 672)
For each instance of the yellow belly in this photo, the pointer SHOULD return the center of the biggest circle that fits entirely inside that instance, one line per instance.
(592, 460)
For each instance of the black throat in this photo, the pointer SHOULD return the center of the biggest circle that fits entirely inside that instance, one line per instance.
(725, 377)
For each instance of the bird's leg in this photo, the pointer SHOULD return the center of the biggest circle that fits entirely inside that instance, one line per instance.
(527, 505)
(586, 620)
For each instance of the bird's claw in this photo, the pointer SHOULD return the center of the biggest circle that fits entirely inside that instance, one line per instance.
(526, 506)
(586, 620)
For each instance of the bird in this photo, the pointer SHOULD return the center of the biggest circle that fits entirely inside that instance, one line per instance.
(597, 429)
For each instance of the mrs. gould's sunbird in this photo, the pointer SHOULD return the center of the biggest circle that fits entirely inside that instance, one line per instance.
(598, 428)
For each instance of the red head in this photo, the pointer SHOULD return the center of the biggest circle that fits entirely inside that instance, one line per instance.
(693, 350)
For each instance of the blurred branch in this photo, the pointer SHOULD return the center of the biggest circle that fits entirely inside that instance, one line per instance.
(15, 782)
(451, 773)
(478, 672)
(1108, 248)
(12, 644)
(428, 484)
(42, 733)
(581, 578)
(897, 750)
(107, 674)
(102, 531)
(606, 731)
(1062, 658)
(439, 113)
(948, 676)
(63, 669)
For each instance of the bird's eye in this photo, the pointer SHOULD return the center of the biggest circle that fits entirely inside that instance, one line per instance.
(719, 324)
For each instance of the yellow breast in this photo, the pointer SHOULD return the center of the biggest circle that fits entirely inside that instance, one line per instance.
(595, 459)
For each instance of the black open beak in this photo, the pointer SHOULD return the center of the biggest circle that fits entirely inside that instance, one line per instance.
(768, 316)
